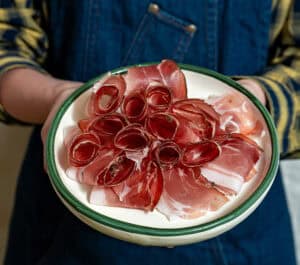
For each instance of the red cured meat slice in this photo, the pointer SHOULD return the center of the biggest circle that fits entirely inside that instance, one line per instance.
(143, 189)
(183, 196)
(235, 164)
(83, 149)
(118, 170)
(197, 154)
(158, 96)
(94, 172)
(162, 125)
(108, 97)
(202, 115)
(237, 113)
(167, 73)
(135, 107)
(168, 154)
(107, 125)
(132, 138)
(173, 78)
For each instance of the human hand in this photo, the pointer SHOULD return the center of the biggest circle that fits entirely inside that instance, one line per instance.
(253, 87)
(65, 89)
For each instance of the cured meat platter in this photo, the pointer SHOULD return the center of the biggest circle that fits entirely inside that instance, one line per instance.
(162, 154)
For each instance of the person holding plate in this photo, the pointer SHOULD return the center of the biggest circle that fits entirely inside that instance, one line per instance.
(48, 48)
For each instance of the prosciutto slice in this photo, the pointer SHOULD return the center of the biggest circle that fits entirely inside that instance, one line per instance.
(168, 154)
(135, 107)
(83, 148)
(235, 164)
(183, 196)
(197, 154)
(162, 125)
(132, 138)
(203, 118)
(158, 96)
(237, 113)
(141, 190)
(108, 97)
(166, 73)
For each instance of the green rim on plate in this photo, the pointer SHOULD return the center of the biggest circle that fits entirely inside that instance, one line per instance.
(138, 229)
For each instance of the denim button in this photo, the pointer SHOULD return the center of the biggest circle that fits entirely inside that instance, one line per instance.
(153, 8)
(191, 28)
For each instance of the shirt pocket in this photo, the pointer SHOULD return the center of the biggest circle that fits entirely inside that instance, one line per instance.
(160, 35)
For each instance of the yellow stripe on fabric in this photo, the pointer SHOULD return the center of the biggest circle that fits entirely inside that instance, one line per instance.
(282, 119)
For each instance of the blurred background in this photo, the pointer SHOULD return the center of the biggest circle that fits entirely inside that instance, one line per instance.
(13, 143)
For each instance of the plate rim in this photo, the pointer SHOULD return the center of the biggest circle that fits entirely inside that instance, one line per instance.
(152, 231)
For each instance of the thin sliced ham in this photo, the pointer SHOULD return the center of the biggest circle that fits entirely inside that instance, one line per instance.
(168, 154)
(197, 154)
(166, 73)
(141, 190)
(135, 107)
(108, 97)
(83, 148)
(185, 197)
(158, 96)
(203, 118)
(132, 138)
(235, 164)
(162, 125)
(237, 113)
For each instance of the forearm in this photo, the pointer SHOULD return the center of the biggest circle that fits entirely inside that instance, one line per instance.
(28, 95)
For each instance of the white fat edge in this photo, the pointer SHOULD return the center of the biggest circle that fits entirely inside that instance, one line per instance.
(98, 196)
(138, 156)
(229, 120)
(227, 181)
(126, 189)
(72, 172)
(99, 83)
(171, 209)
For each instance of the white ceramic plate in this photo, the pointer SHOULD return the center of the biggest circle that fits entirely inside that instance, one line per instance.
(154, 228)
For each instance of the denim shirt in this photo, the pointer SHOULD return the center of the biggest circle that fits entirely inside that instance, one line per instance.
(92, 36)
(89, 37)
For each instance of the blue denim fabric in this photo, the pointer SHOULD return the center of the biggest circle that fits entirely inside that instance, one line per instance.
(90, 37)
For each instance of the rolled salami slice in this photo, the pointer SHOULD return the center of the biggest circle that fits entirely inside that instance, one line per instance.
(108, 96)
(197, 154)
(135, 107)
(162, 125)
(132, 138)
(83, 148)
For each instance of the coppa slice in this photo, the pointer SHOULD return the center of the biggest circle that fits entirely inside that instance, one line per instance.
(183, 196)
(108, 97)
(235, 164)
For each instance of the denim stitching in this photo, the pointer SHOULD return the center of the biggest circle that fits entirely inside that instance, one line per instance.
(137, 37)
(167, 18)
(183, 46)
